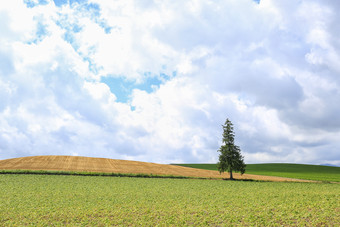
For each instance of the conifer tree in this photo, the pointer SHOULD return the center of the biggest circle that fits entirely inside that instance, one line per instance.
(230, 158)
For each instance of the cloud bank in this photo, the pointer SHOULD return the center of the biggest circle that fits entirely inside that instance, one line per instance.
(155, 80)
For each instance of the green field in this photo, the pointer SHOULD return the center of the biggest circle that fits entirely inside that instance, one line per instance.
(46, 200)
(298, 171)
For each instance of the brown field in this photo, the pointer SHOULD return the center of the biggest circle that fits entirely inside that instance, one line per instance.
(81, 164)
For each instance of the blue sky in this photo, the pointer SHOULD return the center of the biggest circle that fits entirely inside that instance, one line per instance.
(123, 88)
(154, 80)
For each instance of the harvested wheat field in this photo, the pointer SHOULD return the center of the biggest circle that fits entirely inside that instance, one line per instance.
(86, 164)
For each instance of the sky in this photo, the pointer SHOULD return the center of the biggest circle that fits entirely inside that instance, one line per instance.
(154, 80)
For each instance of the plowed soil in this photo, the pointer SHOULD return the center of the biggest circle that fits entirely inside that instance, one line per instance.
(81, 164)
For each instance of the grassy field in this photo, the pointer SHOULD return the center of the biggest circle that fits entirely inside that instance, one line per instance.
(298, 171)
(94, 200)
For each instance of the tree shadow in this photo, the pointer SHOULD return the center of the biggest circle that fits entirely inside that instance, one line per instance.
(228, 179)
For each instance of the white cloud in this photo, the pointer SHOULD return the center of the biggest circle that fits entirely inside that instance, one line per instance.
(272, 68)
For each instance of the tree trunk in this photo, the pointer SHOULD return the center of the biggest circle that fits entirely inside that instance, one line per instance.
(231, 175)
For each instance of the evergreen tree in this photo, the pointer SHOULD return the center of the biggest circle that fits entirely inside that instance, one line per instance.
(230, 158)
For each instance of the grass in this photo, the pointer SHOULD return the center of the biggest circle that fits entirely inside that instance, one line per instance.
(45, 200)
(298, 171)
(200, 166)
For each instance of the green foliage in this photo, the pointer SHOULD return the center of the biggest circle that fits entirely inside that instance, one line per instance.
(55, 200)
(230, 158)
(297, 171)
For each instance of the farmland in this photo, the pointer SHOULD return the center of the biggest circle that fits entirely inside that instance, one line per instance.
(99, 166)
(297, 171)
(93, 200)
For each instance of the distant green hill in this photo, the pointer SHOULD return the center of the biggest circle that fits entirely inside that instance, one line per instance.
(298, 171)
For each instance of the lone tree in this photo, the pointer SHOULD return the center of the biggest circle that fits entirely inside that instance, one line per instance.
(230, 158)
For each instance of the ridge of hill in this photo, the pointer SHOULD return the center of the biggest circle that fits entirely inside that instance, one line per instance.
(105, 165)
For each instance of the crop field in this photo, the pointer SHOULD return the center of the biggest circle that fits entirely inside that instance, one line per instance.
(78, 164)
(87, 164)
(46, 200)
(297, 171)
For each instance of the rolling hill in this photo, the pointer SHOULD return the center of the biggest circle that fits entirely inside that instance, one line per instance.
(87, 164)
(299, 171)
